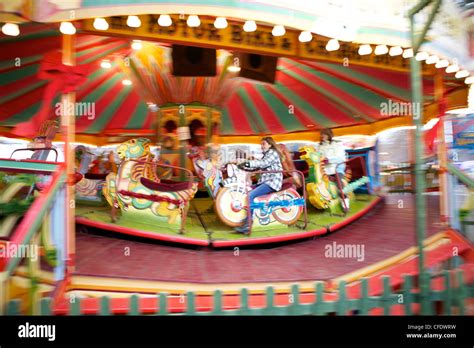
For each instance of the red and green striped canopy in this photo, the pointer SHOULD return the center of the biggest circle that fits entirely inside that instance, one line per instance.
(306, 95)
(312, 95)
(116, 106)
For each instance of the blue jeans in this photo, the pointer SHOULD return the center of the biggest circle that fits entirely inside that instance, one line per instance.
(260, 190)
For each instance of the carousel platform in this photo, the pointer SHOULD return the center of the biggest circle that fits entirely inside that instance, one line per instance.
(386, 230)
(203, 228)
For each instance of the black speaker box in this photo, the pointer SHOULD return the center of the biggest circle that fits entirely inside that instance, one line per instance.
(193, 61)
(257, 67)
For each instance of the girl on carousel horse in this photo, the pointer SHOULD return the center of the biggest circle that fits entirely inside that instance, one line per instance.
(335, 155)
(268, 182)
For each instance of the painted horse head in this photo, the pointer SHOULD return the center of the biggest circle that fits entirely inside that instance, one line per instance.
(134, 148)
(310, 155)
(199, 159)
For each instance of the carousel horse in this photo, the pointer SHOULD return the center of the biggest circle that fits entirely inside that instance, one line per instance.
(89, 180)
(229, 186)
(14, 199)
(46, 134)
(207, 169)
(322, 192)
(98, 166)
(137, 190)
(111, 165)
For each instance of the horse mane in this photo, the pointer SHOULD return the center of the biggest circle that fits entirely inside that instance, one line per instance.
(287, 162)
(289, 166)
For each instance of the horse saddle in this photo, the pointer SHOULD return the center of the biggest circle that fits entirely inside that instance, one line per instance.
(96, 176)
(166, 185)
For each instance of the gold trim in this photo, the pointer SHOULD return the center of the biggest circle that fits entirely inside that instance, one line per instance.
(235, 38)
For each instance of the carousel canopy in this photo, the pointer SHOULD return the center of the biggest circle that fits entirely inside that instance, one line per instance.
(306, 95)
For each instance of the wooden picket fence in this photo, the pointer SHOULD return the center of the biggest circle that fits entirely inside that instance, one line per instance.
(454, 297)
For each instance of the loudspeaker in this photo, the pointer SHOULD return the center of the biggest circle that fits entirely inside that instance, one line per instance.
(257, 67)
(193, 61)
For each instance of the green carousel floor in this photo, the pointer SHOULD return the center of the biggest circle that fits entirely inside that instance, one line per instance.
(203, 223)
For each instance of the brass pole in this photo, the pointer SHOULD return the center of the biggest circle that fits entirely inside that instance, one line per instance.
(68, 134)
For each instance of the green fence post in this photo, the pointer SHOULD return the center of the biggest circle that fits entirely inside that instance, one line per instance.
(417, 99)
(460, 292)
(364, 297)
(191, 307)
(387, 295)
(317, 307)
(407, 294)
(447, 293)
(13, 307)
(217, 303)
(244, 303)
(425, 295)
(45, 306)
(75, 306)
(104, 306)
(341, 308)
(134, 305)
(270, 305)
(456, 261)
(294, 306)
(163, 305)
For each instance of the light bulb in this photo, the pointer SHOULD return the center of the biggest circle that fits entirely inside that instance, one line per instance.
(365, 49)
(461, 74)
(332, 45)
(105, 64)
(381, 49)
(305, 36)
(408, 53)
(250, 26)
(67, 28)
(395, 51)
(233, 68)
(126, 82)
(137, 44)
(220, 23)
(452, 68)
(153, 107)
(278, 30)
(134, 22)
(421, 56)
(442, 64)
(469, 80)
(101, 24)
(164, 20)
(432, 59)
(193, 21)
(11, 29)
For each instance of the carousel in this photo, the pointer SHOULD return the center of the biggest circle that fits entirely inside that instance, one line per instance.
(128, 131)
